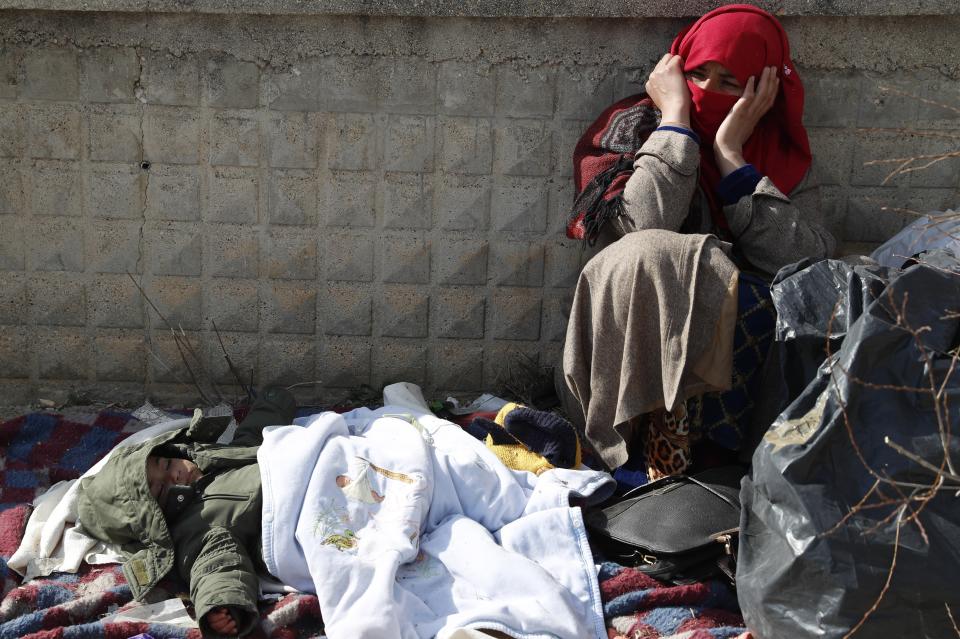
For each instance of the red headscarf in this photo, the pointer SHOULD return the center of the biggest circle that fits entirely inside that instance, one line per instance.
(745, 39)
(742, 38)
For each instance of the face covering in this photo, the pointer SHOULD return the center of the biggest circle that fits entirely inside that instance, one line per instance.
(745, 39)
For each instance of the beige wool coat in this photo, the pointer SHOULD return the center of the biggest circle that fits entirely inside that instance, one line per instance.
(653, 313)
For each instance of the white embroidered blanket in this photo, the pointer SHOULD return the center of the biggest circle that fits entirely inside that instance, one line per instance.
(405, 526)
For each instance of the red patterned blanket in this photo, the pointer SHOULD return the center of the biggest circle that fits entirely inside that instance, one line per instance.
(39, 449)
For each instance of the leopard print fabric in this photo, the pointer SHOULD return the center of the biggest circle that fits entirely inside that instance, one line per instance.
(667, 442)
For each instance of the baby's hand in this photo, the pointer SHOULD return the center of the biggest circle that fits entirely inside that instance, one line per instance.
(222, 621)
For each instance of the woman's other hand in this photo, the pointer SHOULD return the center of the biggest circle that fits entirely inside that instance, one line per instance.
(667, 87)
(222, 621)
(739, 124)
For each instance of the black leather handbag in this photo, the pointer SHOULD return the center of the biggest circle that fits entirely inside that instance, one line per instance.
(678, 529)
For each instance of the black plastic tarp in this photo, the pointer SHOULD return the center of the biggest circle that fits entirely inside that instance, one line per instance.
(815, 555)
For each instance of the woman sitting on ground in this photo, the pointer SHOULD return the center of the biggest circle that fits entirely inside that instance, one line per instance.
(700, 191)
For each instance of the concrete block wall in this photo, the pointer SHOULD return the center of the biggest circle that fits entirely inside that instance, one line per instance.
(365, 199)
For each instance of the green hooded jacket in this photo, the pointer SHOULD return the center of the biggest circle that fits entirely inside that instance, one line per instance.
(214, 540)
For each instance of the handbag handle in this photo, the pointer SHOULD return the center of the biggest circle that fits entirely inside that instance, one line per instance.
(677, 478)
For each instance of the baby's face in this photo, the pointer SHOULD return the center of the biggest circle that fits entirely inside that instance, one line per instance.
(163, 472)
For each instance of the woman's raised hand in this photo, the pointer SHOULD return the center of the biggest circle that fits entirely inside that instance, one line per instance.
(667, 87)
(739, 124)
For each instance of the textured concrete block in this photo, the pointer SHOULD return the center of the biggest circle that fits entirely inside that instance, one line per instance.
(242, 350)
(292, 141)
(173, 193)
(465, 88)
(458, 313)
(466, 146)
(14, 299)
(456, 367)
(560, 196)
(525, 93)
(403, 312)
(556, 311)
(63, 355)
(520, 205)
(232, 305)
(562, 266)
(410, 143)
(295, 89)
(409, 86)
(115, 136)
(232, 253)
(11, 188)
(631, 80)
(165, 361)
(291, 255)
(55, 245)
(831, 98)
(12, 254)
(16, 353)
(234, 141)
(115, 191)
(584, 92)
(50, 74)
(170, 135)
(54, 132)
(109, 75)
(289, 308)
(174, 252)
(58, 299)
(13, 130)
(463, 203)
(567, 138)
(19, 393)
(180, 299)
(501, 360)
(120, 358)
(345, 364)
(877, 155)
(351, 199)
(55, 189)
(9, 74)
(460, 261)
(523, 147)
(940, 103)
(292, 198)
(833, 153)
(287, 360)
(350, 84)
(232, 83)
(407, 261)
(514, 316)
(355, 142)
(349, 258)
(113, 301)
(399, 362)
(346, 310)
(937, 168)
(233, 196)
(882, 105)
(517, 263)
(171, 80)
(875, 214)
(407, 201)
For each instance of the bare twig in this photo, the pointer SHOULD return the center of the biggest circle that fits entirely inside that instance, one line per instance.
(886, 585)
(300, 384)
(922, 462)
(233, 369)
(952, 620)
(916, 97)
